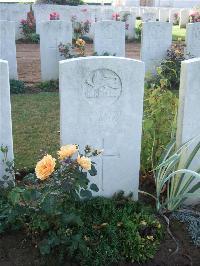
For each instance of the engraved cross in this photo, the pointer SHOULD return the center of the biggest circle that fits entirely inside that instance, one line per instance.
(55, 47)
(105, 155)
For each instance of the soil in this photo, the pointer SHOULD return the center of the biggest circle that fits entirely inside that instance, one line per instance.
(16, 249)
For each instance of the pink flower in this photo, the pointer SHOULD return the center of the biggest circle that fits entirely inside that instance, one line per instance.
(54, 16)
(23, 21)
(84, 10)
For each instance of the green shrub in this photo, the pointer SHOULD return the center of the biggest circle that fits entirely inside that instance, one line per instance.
(49, 86)
(56, 208)
(168, 73)
(117, 230)
(159, 124)
(97, 232)
(175, 177)
(28, 27)
(138, 31)
(17, 86)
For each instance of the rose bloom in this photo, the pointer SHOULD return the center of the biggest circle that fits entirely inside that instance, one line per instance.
(80, 42)
(45, 167)
(67, 151)
(84, 162)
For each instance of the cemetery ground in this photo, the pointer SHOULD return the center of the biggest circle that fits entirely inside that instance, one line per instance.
(36, 114)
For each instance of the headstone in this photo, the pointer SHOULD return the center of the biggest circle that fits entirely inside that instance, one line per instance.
(156, 40)
(184, 17)
(6, 139)
(17, 13)
(149, 16)
(52, 33)
(8, 46)
(105, 111)
(43, 11)
(130, 26)
(129, 18)
(4, 12)
(109, 36)
(193, 39)
(188, 126)
(164, 14)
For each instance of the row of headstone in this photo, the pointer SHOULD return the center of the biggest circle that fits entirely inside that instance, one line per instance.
(109, 38)
(17, 12)
(113, 89)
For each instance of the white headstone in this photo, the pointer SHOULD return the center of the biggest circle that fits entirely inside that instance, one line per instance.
(184, 17)
(109, 36)
(156, 40)
(42, 13)
(17, 13)
(105, 111)
(130, 26)
(164, 14)
(193, 39)
(188, 125)
(52, 33)
(6, 139)
(8, 46)
(129, 18)
(149, 16)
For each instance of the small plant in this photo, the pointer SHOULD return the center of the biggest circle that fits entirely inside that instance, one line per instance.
(125, 16)
(54, 16)
(7, 180)
(80, 28)
(194, 16)
(159, 124)
(72, 51)
(117, 230)
(138, 31)
(116, 17)
(17, 86)
(168, 73)
(49, 86)
(173, 178)
(176, 18)
(28, 27)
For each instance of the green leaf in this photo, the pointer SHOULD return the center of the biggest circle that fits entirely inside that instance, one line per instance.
(84, 193)
(93, 171)
(94, 187)
(44, 247)
(72, 218)
(15, 195)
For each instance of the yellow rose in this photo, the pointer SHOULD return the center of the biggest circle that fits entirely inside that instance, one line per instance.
(84, 162)
(143, 223)
(80, 42)
(67, 151)
(150, 238)
(45, 167)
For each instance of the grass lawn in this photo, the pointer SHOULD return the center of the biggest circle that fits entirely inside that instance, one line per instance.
(178, 33)
(35, 127)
